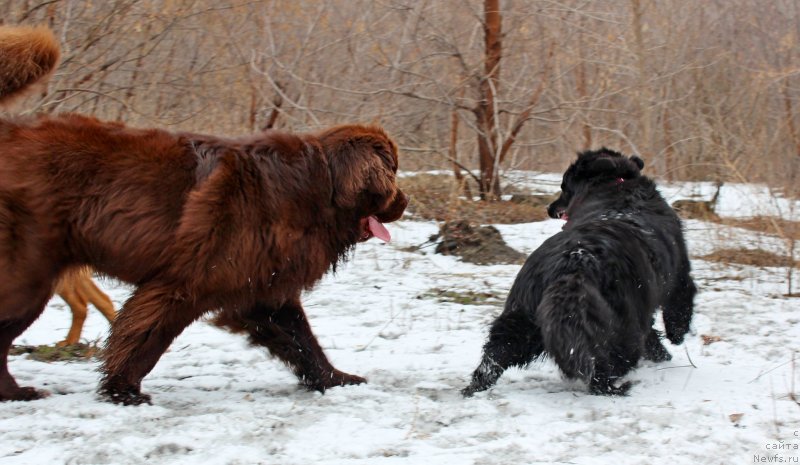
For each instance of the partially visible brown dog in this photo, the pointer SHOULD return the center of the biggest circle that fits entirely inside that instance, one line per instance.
(78, 291)
(237, 227)
(75, 286)
(28, 56)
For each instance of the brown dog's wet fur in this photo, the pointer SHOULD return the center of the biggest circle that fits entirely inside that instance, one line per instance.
(198, 223)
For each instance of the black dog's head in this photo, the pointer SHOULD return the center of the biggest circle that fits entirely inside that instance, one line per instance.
(593, 168)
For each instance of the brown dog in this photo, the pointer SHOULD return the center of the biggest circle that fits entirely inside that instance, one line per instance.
(78, 291)
(238, 227)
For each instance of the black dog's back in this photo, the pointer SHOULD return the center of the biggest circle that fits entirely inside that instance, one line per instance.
(587, 296)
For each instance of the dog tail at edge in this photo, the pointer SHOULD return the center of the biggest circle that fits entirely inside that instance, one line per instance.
(28, 56)
(575, 321)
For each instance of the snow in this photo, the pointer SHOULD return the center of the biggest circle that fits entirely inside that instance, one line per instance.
(217, 400)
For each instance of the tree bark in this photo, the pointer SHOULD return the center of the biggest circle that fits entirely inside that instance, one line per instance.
(485, 112)
(642, 96)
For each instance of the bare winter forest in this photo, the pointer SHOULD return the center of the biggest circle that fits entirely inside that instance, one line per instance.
(703, 90)
(488, 100)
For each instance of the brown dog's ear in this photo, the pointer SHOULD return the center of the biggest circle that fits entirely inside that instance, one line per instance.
(362, 163)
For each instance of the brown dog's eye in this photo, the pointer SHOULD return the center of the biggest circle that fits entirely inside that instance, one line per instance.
(386, 155)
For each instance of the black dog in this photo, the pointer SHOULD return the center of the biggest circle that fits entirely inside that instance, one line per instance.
(587, 296)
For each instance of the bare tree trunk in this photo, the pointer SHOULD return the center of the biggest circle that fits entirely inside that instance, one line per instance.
(580, 83)
(642, 93)
(134, 75)
(789, 111)
(669, 150)
(277, 102)
(463, 183)
(485, 112)
(526, 114)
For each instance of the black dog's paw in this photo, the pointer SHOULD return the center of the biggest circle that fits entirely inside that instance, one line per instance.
(605, 387)
(484, 377)
(658, 355)
(473, 388)
(654, 350)
(677, 328)
(676, 337)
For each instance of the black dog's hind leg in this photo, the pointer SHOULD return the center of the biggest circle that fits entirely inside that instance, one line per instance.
(610, 368)
(654, 349)
(514, 340)
(679, 307)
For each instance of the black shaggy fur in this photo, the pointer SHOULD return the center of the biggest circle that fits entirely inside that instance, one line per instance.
(587, 296)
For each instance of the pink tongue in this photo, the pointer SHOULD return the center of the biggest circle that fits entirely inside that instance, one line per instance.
(378, 229)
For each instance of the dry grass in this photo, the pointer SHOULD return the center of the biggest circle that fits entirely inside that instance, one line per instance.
(750, 257)
(767, 225)
(45, 353)
(462, 297)
(709, 339)
(439, 197)
(696, 210)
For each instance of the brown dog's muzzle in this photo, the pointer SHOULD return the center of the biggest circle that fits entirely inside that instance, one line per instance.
(372, 226)
(395, 209)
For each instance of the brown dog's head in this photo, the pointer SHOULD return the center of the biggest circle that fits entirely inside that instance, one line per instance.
(363, 164)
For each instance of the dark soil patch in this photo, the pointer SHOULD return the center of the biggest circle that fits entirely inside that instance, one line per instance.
(440, 198)
(482, 245)
(750, 257)
(44, 353)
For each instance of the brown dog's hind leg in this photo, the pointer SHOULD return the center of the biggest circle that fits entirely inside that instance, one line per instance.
(143, 330)
(78, 291)
(78, 306)
(99, 299)
(285, 331)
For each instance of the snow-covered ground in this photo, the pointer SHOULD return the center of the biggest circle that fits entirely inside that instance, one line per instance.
(219, 401)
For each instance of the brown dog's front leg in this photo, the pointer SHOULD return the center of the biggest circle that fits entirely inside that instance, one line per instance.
(145, 327)
(286, 333)
(21, 310)
(9, 390)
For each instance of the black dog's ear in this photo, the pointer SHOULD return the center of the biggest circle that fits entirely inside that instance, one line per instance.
(601, 166)
(638, 161)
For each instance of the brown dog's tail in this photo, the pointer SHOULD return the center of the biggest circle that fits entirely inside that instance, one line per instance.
(28, 55)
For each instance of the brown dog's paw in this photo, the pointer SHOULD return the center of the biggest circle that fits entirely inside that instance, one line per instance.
(333, 379)
(22, 394)
(124, 396)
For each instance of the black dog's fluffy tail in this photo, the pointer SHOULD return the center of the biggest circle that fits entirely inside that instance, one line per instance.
(28, 56)
(578, 327)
